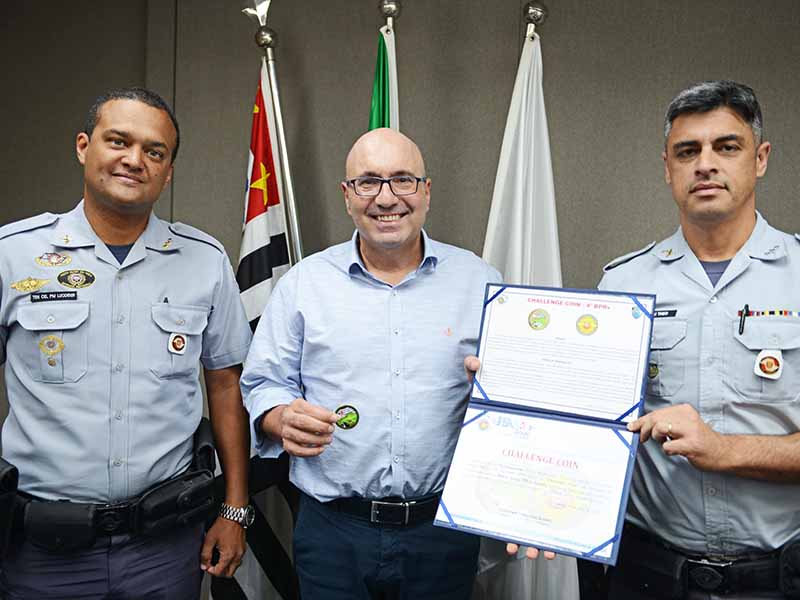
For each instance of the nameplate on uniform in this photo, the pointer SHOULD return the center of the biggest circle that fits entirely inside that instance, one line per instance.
(660, 314)
(53, 296)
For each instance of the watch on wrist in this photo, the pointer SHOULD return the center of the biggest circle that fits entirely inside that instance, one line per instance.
(243, 515)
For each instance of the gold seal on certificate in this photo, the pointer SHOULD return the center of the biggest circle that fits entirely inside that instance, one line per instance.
(544, 457)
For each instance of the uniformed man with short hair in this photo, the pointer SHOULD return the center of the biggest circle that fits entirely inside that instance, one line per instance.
(713, 506)
(105, 314)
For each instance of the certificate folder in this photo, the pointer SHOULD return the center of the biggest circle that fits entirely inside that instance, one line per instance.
(544, 457)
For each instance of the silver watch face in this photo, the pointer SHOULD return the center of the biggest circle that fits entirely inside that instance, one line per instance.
(249, 516)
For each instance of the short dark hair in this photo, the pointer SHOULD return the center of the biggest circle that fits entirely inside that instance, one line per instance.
(710, 95)
(139, 94)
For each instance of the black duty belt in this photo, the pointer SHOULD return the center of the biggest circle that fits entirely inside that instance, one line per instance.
(720, 574)
(389, 511)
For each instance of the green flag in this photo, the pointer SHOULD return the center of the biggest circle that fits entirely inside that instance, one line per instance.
(384, 110)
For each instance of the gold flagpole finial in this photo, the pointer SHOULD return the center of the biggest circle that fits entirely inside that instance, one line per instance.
(535, 14)
(390, 10)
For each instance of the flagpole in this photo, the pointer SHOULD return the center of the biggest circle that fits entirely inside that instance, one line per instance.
(390, 9)
(267, 39)
(535, 14)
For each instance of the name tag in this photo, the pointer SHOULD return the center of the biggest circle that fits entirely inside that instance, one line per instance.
(53, 296)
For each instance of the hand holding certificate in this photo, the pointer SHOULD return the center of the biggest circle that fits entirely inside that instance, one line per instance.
(544, 457)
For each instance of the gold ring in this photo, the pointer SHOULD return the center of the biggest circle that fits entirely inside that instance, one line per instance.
(669, 428)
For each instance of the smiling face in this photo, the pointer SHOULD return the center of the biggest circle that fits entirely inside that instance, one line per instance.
(387, 224)
(712, 162)
(127, 160)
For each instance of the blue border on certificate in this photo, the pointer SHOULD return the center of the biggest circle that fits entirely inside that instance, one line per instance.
(614, 428)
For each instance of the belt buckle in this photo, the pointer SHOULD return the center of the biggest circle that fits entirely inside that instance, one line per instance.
(375, 517)
(709, 575)
(110, 518)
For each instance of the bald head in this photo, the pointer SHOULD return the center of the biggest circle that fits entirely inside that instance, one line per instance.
(382, 146)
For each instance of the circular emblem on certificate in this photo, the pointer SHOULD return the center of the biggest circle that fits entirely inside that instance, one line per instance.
(51, 345)
(76, 278)
(769, 365)
(538, 319)
(53, 259)
(348, 416)
(586, 324)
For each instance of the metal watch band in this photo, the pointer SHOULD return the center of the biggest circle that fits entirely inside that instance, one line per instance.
(243, 515)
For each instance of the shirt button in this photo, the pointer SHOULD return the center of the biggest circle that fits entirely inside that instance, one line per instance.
(713, 300)
(118, 416)
(51, 319)
(397, 372)
(121, 319)
(397, 459)
(397, 416)
(181, 321)
(117, 462)
(394, 292)
(712, 491)
(396, 332)
(120, 276)
(118, 367)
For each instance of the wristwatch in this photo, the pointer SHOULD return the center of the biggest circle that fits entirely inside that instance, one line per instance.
(243, 515)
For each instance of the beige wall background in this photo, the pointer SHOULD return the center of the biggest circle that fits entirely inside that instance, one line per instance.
(610, 68)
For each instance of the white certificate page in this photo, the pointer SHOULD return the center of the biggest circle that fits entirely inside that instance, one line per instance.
(574, 352)
(546, 482)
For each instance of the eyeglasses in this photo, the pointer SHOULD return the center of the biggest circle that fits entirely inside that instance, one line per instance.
(401, 185)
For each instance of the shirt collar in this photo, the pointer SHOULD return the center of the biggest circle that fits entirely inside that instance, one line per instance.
(74, 231)
(430, 257)
(764, 243)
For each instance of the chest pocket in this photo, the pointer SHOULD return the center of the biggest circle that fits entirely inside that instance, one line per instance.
(177, 339)
(765, 333)
(55, 342)
(665, 373)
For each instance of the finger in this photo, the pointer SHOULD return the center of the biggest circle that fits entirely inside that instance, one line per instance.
(233, 566)
(511, 548)
(305, 438)
(646, 430)
(675, 448)
(304, 407)
(549, 555)
(635, 425)
(308, 424)
(532, 553)
(472, 364)
(218, 569)
(302, 451)
(662, 431)
(206, 552)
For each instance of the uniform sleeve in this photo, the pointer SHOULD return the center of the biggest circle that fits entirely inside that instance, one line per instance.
(227, 336)
(271, 374)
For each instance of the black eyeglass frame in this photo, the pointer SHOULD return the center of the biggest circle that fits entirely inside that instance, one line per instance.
(385, 180)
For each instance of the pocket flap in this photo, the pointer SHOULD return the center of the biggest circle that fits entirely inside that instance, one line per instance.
(667, 333)
(52, 316)
(775, 333)
(178, 318)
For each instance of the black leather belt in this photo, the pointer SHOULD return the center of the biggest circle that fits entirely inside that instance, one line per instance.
(108, 519)
(389, 511)
(721, 574)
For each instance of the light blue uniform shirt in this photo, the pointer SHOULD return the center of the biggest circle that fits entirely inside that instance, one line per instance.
(395, 354)
(698, 357)
(100, 408)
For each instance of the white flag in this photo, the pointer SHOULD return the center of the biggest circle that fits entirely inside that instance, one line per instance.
(522, 243)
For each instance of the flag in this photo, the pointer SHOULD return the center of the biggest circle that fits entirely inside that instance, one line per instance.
(385, 108)
(264, 254)
(522, 243)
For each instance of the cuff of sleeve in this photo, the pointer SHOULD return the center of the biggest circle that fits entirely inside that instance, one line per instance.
(257, 407)
(224, 361)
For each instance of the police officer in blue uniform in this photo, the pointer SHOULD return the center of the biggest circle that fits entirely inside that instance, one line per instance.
(713, 506)
(106, 313)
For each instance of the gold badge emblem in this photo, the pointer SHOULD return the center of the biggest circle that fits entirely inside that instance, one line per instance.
(538, 319)
(586, 324)
(53, 259)
(167, 243)
(31, 284)
(652, 370)
(76, 278)
(177, 343)
(51, 345)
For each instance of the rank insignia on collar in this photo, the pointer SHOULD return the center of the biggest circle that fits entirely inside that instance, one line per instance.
(348, 416)
(53, 259)
(666, 253)
(29, 285)
(76, 278)
(167, 243)
(51, 345)
(67, 238)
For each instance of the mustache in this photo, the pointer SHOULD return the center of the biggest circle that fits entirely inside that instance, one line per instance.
(707, 183)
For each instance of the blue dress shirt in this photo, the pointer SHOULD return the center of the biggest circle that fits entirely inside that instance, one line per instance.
(103, 399)
(336, 335)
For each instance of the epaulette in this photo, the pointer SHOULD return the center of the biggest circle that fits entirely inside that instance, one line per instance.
(187, 231)
(626, 257)
(42, 220)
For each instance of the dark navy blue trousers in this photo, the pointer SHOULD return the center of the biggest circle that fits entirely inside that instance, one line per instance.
(340, 556)
(119, 567)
